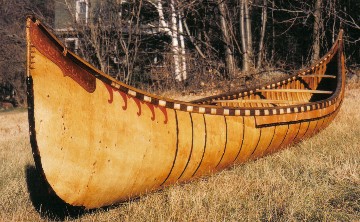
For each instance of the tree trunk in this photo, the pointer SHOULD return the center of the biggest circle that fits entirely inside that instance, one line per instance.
(262, 35)
(334, 13)
(175, 42)
(248, 31)
(183, 49)
(95, 35)
(317, 30)
(173, 33)
(193, 40)
(163, 24)
(229, 57)
(273, 32)
(244, 36)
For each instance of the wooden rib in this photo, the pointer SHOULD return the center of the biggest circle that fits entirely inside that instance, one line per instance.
(288, 96)
(320, 76)
(296, 91)
(257, 101)
(300, 96)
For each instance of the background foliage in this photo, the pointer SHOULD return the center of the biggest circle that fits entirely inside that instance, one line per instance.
(231, 40)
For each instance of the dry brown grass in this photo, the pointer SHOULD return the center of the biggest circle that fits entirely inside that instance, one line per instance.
(315, 180)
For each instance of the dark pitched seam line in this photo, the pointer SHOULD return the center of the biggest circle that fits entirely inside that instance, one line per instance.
(298, 132)
(287, 131)
(257, 142)
(226, 140)
(306, 129)
(317, 121)
(242, 141)
(204, 149)
(320, 125)
(177, 148)
(192, 146)
(272, 138)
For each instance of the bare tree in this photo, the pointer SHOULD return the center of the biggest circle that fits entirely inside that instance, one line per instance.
(110, 36)
(174, 29)
(229, 55)
(262, 35)
(317, 29)
(246, 35)
(13, 49)
(182, 45)
(203, 38)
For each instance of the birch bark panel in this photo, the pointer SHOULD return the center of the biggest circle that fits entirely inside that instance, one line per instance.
(103, 144)
(293, 130)
(303, 128)
(279, 136)
(215, 143)
(251, 139)
(184, 145)
(235, 129)
(199, 147)
(267, 136)
(59, 160)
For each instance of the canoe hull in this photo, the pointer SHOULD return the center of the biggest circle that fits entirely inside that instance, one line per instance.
(97, 145)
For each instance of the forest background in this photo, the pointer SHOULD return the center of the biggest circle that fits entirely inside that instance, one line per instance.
(186, 46)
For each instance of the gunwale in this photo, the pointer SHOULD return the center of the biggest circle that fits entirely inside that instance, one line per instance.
(200, 105)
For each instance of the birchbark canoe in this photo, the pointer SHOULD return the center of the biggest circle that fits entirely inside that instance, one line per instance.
(98, 141)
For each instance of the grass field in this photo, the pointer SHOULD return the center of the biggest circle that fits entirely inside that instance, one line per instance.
(314, 180)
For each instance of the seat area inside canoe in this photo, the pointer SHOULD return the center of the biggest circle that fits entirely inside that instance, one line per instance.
(314, 84)
(305, 89)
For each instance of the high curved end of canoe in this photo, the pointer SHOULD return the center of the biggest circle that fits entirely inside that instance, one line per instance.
(98, 141)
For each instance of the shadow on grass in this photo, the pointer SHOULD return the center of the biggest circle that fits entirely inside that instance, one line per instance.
(46, 203)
